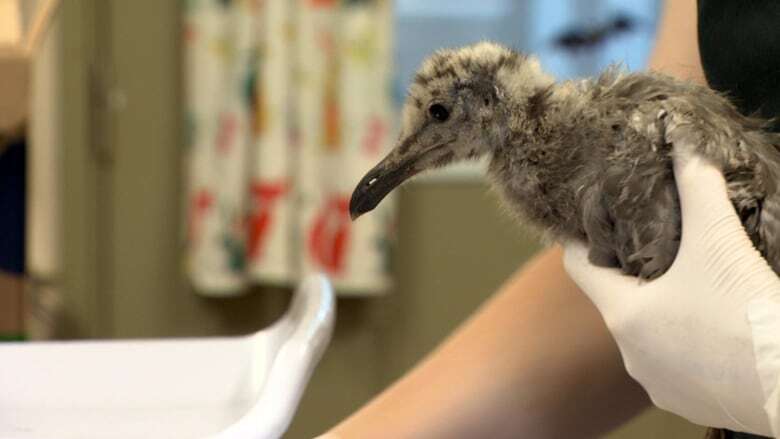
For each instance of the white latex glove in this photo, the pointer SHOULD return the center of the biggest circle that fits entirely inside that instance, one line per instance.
(686, 337)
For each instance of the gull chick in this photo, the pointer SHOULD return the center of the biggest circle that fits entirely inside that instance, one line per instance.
(588, 160)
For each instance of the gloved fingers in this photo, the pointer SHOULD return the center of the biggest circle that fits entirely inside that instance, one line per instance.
(702, 189)
(707, 212)
(606, 287)
(712, 234)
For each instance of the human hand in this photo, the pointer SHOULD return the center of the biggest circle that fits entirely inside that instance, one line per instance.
(686, 337)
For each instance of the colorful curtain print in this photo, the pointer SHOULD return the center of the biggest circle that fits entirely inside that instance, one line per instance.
(287, 105)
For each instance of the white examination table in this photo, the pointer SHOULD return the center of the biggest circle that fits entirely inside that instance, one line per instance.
(220, 388)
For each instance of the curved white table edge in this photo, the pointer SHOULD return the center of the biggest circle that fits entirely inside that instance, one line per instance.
(307, 326)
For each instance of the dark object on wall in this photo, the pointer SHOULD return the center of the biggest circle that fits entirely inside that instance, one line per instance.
(12, 206)
(589, 38)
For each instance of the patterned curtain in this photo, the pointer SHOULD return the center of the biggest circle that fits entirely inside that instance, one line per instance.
(288, 104)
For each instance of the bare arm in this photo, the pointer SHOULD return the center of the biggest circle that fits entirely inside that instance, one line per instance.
(676, 50)
(536, 354)
(536, 360)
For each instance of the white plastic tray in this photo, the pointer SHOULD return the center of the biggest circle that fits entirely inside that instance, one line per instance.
(220, 388)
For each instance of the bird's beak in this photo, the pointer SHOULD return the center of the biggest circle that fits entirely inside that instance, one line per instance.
(406, 160)
(379, 182)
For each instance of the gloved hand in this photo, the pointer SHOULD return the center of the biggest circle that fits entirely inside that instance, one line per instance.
(688, 336)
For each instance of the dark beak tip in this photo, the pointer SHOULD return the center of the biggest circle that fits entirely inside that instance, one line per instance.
(373, 187)
(354, 204)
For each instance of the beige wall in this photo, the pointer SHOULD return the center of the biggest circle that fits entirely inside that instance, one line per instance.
(454, 247)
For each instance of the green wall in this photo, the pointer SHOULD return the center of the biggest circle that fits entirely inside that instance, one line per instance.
(123, 185)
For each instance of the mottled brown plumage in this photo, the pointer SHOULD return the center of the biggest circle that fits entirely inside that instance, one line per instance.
(587, 160)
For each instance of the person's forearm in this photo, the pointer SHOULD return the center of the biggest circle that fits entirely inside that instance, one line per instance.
(676, 50)
(534, 361)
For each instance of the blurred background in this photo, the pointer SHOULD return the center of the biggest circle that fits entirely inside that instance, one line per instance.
(171, 168)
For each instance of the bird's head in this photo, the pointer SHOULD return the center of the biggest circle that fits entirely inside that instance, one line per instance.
(458, 108)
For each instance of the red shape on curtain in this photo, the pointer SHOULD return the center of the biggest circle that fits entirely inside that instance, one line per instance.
(200, 204)
(264, 197)
(323, 3)
(189, 33)
(329, 234)
(374, 136)
(226, 133)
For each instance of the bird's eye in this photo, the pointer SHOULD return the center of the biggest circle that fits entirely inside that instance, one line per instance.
(438, 112)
